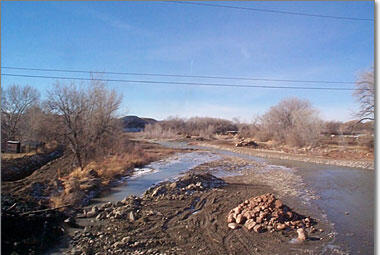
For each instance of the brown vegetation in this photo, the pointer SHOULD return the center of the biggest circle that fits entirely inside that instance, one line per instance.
(15, 102)
(365, 95)
(80, 185)
(87, 118)
(175, 127)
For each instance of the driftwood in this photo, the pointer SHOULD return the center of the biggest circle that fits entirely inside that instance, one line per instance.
(11, 207)
(43, 210)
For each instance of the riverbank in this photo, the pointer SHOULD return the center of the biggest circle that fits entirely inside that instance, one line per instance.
(56, 185)
(364, 164)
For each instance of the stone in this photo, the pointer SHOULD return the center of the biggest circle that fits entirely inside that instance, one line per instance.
(302, 235)
(258, 228)
(249, 224)
(280, 226)
(131, 216)
(230, 218)
(90, 214)
(240, 219)
(126, 239)
(76, 251)
(191, 186)
(237, 210)
(233, 225)
(159, 191)
(278, 204)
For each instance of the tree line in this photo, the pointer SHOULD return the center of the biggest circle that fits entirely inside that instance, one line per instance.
(83, 118)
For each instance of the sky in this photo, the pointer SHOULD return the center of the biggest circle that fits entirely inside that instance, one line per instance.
(175, 38)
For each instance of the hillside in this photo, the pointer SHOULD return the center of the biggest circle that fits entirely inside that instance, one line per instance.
(133, 123)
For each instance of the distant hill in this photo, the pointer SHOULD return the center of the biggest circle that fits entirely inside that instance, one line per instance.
(133, 123)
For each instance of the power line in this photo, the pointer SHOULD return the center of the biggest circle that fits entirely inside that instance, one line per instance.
(274, 11)
(177, 75)
(178, 83)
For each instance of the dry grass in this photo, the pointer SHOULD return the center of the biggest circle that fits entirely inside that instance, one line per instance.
(17, 155)
(100, 172)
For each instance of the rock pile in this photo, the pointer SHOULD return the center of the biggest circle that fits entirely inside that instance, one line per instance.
(185, 185)
(127, 208)
(266, 213)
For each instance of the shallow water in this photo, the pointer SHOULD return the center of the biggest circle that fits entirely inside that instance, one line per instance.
(156, 172)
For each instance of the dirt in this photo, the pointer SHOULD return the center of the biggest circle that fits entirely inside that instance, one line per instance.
(25, 232)
(19, 168)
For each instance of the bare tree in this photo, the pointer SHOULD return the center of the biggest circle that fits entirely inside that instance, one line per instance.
(365, 95)
(86, 116)
(16, 100)
(292, 121)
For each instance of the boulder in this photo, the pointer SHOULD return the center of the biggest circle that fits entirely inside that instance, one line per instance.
(240, 219)
(258, 228)
(249, 224)
(302, 235)
(233, 225)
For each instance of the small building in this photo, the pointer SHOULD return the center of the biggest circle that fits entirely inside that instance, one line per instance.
(13, 146)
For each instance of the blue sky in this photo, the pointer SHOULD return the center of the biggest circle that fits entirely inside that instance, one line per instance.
(172, 38)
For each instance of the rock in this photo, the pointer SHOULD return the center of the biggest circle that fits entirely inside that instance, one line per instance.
(280, 226)
(126, 239)
(90, 214)
(118, 244)
(233, 225)
(131, 216)
(230, 218)
(240, 219)
(173, 185)
(302, 236)
(278, 204)
(265, 212)
(258, 228)
(76, 251)
(249, 224)
(191, 186)
(159, 191)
